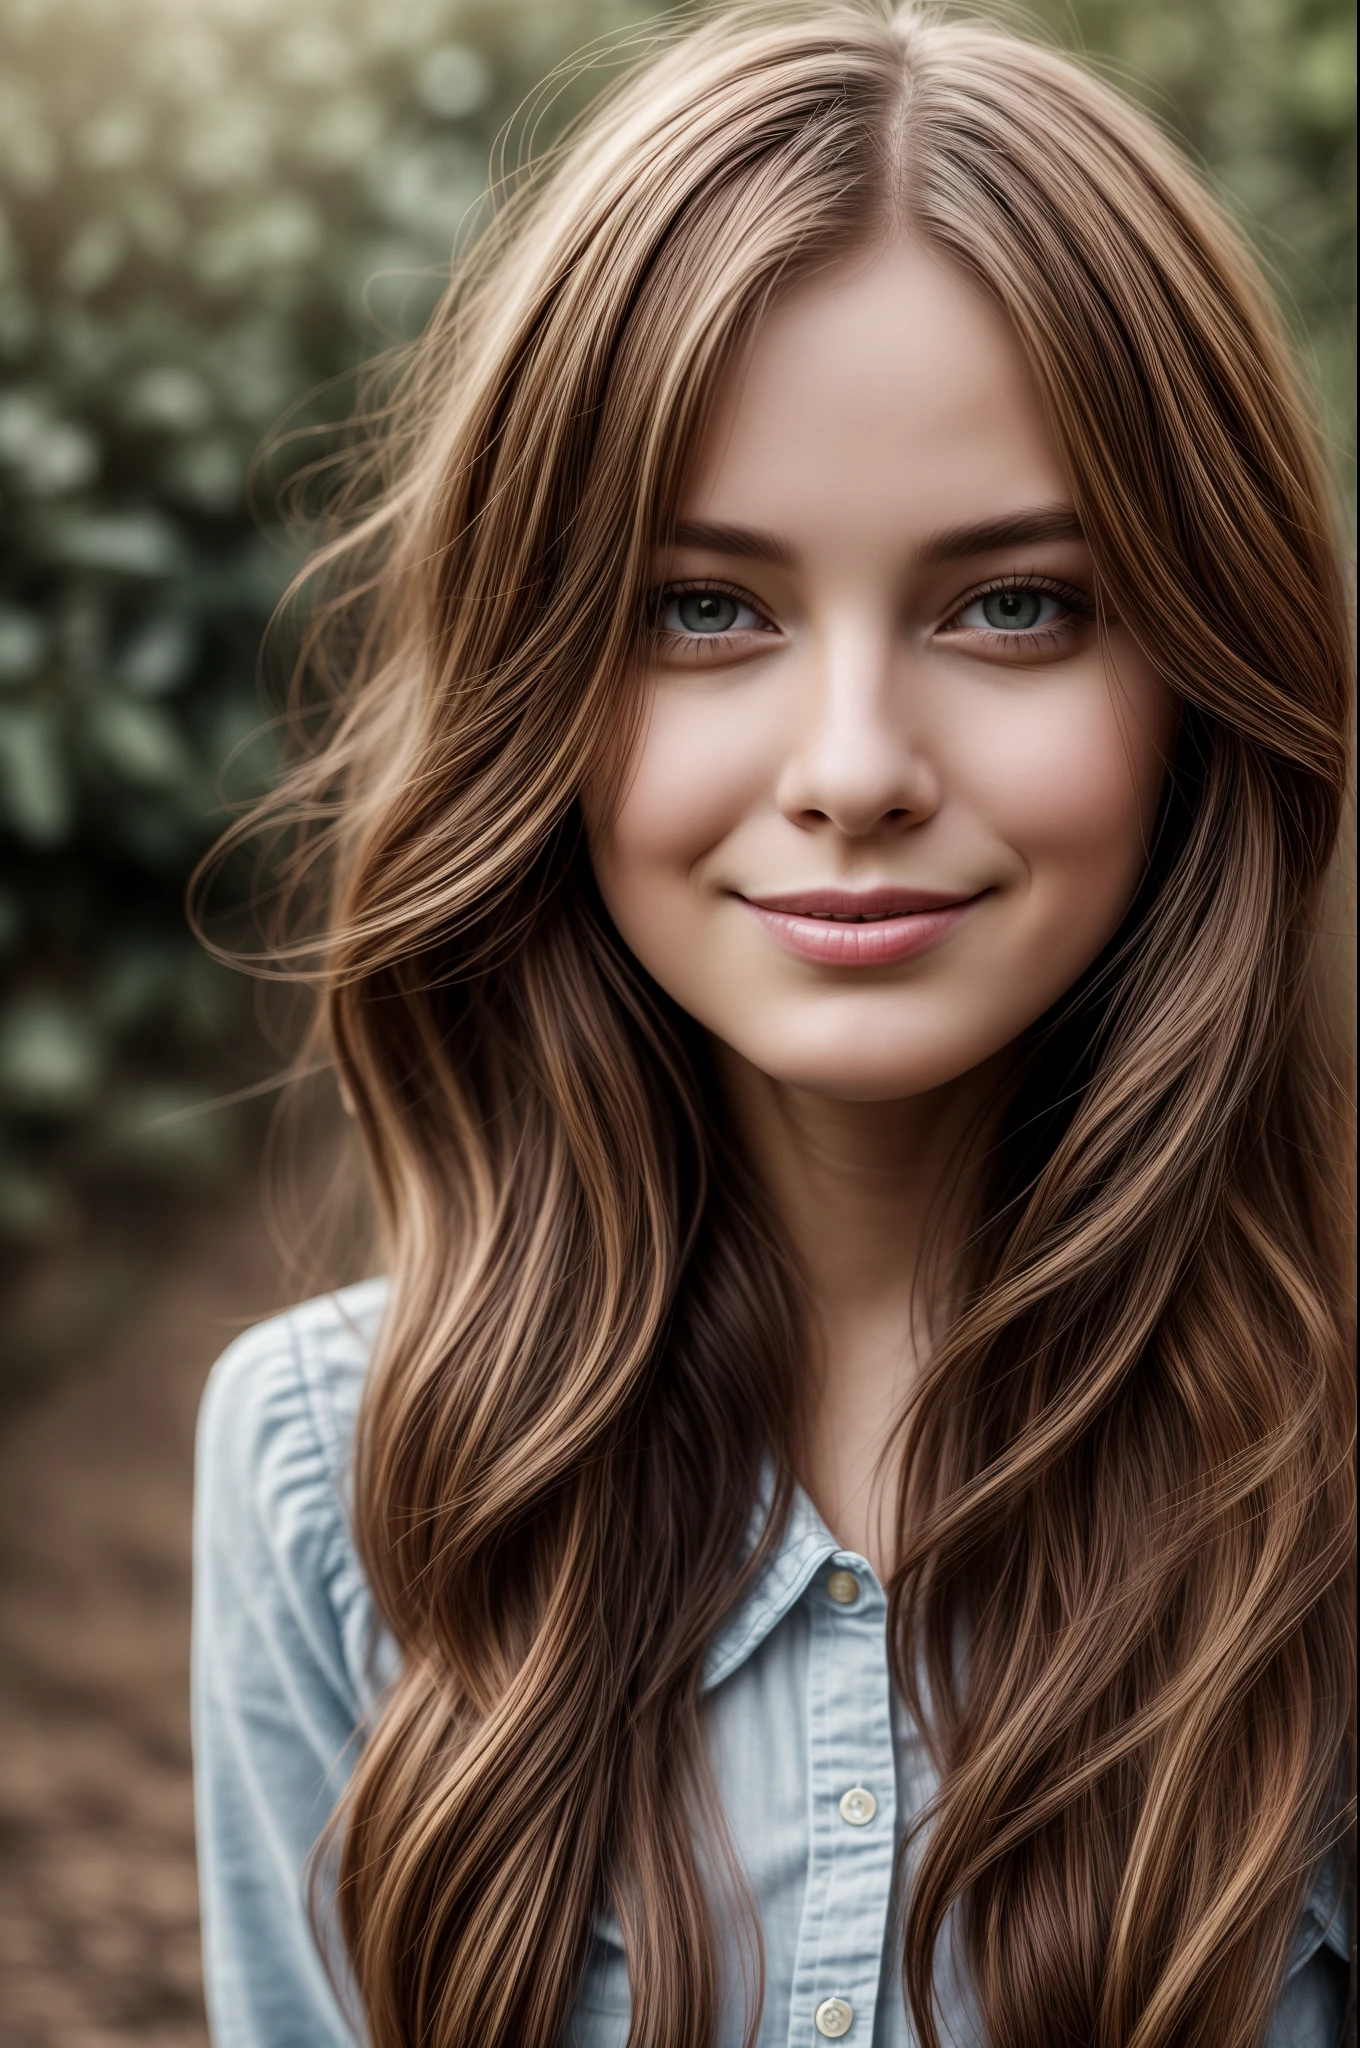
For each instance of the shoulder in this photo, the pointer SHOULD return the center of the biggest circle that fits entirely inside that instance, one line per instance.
(272, 1494)
(300, 1372)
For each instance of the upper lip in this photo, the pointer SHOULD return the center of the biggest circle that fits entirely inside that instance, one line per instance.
(881, 902)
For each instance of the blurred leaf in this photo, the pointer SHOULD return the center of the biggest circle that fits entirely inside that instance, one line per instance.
(284, 231)
(35, 788)
(453, 80)
(115, 137)
(51, 1059)
(49, 454)
(209, 473)
(139, 743)
(28, 148)
(1324, 75)
(125, 543)
(94, 256)
(170, 396)
(227, 142)
(157, 659)
(312, 53)
(23, 643)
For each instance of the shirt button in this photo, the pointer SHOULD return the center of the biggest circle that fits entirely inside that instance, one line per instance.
(858, 1806)
(844, 1590)
(833, 2017)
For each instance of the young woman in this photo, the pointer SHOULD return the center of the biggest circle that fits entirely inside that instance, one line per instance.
(836, 1522)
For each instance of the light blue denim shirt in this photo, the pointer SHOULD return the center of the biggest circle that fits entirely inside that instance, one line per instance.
(817, 1764)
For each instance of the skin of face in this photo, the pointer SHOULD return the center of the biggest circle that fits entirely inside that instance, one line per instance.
(896, 700)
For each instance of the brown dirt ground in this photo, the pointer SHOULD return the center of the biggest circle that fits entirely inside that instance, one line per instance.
(98, 1903)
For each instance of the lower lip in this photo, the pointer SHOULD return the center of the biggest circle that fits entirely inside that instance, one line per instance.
(873, 942)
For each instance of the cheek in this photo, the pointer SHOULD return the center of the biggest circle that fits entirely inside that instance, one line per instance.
(1071, 778)
(697, 768)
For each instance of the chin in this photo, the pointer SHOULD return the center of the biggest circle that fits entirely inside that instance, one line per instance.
(855, 1072)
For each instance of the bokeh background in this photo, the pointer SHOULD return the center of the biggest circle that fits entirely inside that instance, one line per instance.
(211, 211)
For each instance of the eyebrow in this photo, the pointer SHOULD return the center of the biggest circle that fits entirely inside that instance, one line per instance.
(750, 542)
(950, 544)
(1013, 529)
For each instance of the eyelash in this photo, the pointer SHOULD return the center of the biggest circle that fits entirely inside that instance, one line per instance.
(1081, 610)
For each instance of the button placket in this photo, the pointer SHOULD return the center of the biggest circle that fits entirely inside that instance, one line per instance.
(850, 1869)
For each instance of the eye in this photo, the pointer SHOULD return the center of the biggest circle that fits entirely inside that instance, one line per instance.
(1021, 618)
(702, 611)
(1012, 611)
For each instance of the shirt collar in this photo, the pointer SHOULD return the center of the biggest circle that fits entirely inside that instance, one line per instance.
(805, 1546)
(1326, 1920)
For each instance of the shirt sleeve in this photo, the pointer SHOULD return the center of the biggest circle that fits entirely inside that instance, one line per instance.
(275, 1708)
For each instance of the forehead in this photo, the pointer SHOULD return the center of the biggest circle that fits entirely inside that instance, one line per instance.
(888, 397)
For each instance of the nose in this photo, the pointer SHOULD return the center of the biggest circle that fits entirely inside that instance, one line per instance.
(857, 761)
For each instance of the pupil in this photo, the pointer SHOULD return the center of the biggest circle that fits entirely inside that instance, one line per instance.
(707, 611)
(1012, 610)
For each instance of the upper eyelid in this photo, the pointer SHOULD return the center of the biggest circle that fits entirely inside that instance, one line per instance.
(1024, 579)
(1079, 602)
(674, 583)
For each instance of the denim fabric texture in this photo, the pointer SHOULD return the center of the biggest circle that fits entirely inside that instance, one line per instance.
(818, 1766)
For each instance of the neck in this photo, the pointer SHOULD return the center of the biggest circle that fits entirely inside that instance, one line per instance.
(874, 1199)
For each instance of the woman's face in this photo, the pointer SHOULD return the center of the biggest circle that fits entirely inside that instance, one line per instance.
(893, 791)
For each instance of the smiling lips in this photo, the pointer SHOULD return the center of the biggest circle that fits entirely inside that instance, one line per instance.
(858, 927)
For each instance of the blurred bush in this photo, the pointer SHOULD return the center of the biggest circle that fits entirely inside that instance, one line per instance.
(194, 197)
(195, 203)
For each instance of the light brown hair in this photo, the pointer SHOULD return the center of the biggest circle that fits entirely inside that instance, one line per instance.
(1126, 1471)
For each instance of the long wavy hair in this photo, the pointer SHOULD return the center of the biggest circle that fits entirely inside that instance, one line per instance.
(1126, 1467)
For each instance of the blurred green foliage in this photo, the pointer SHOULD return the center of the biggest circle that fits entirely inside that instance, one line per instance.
(194, 198)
